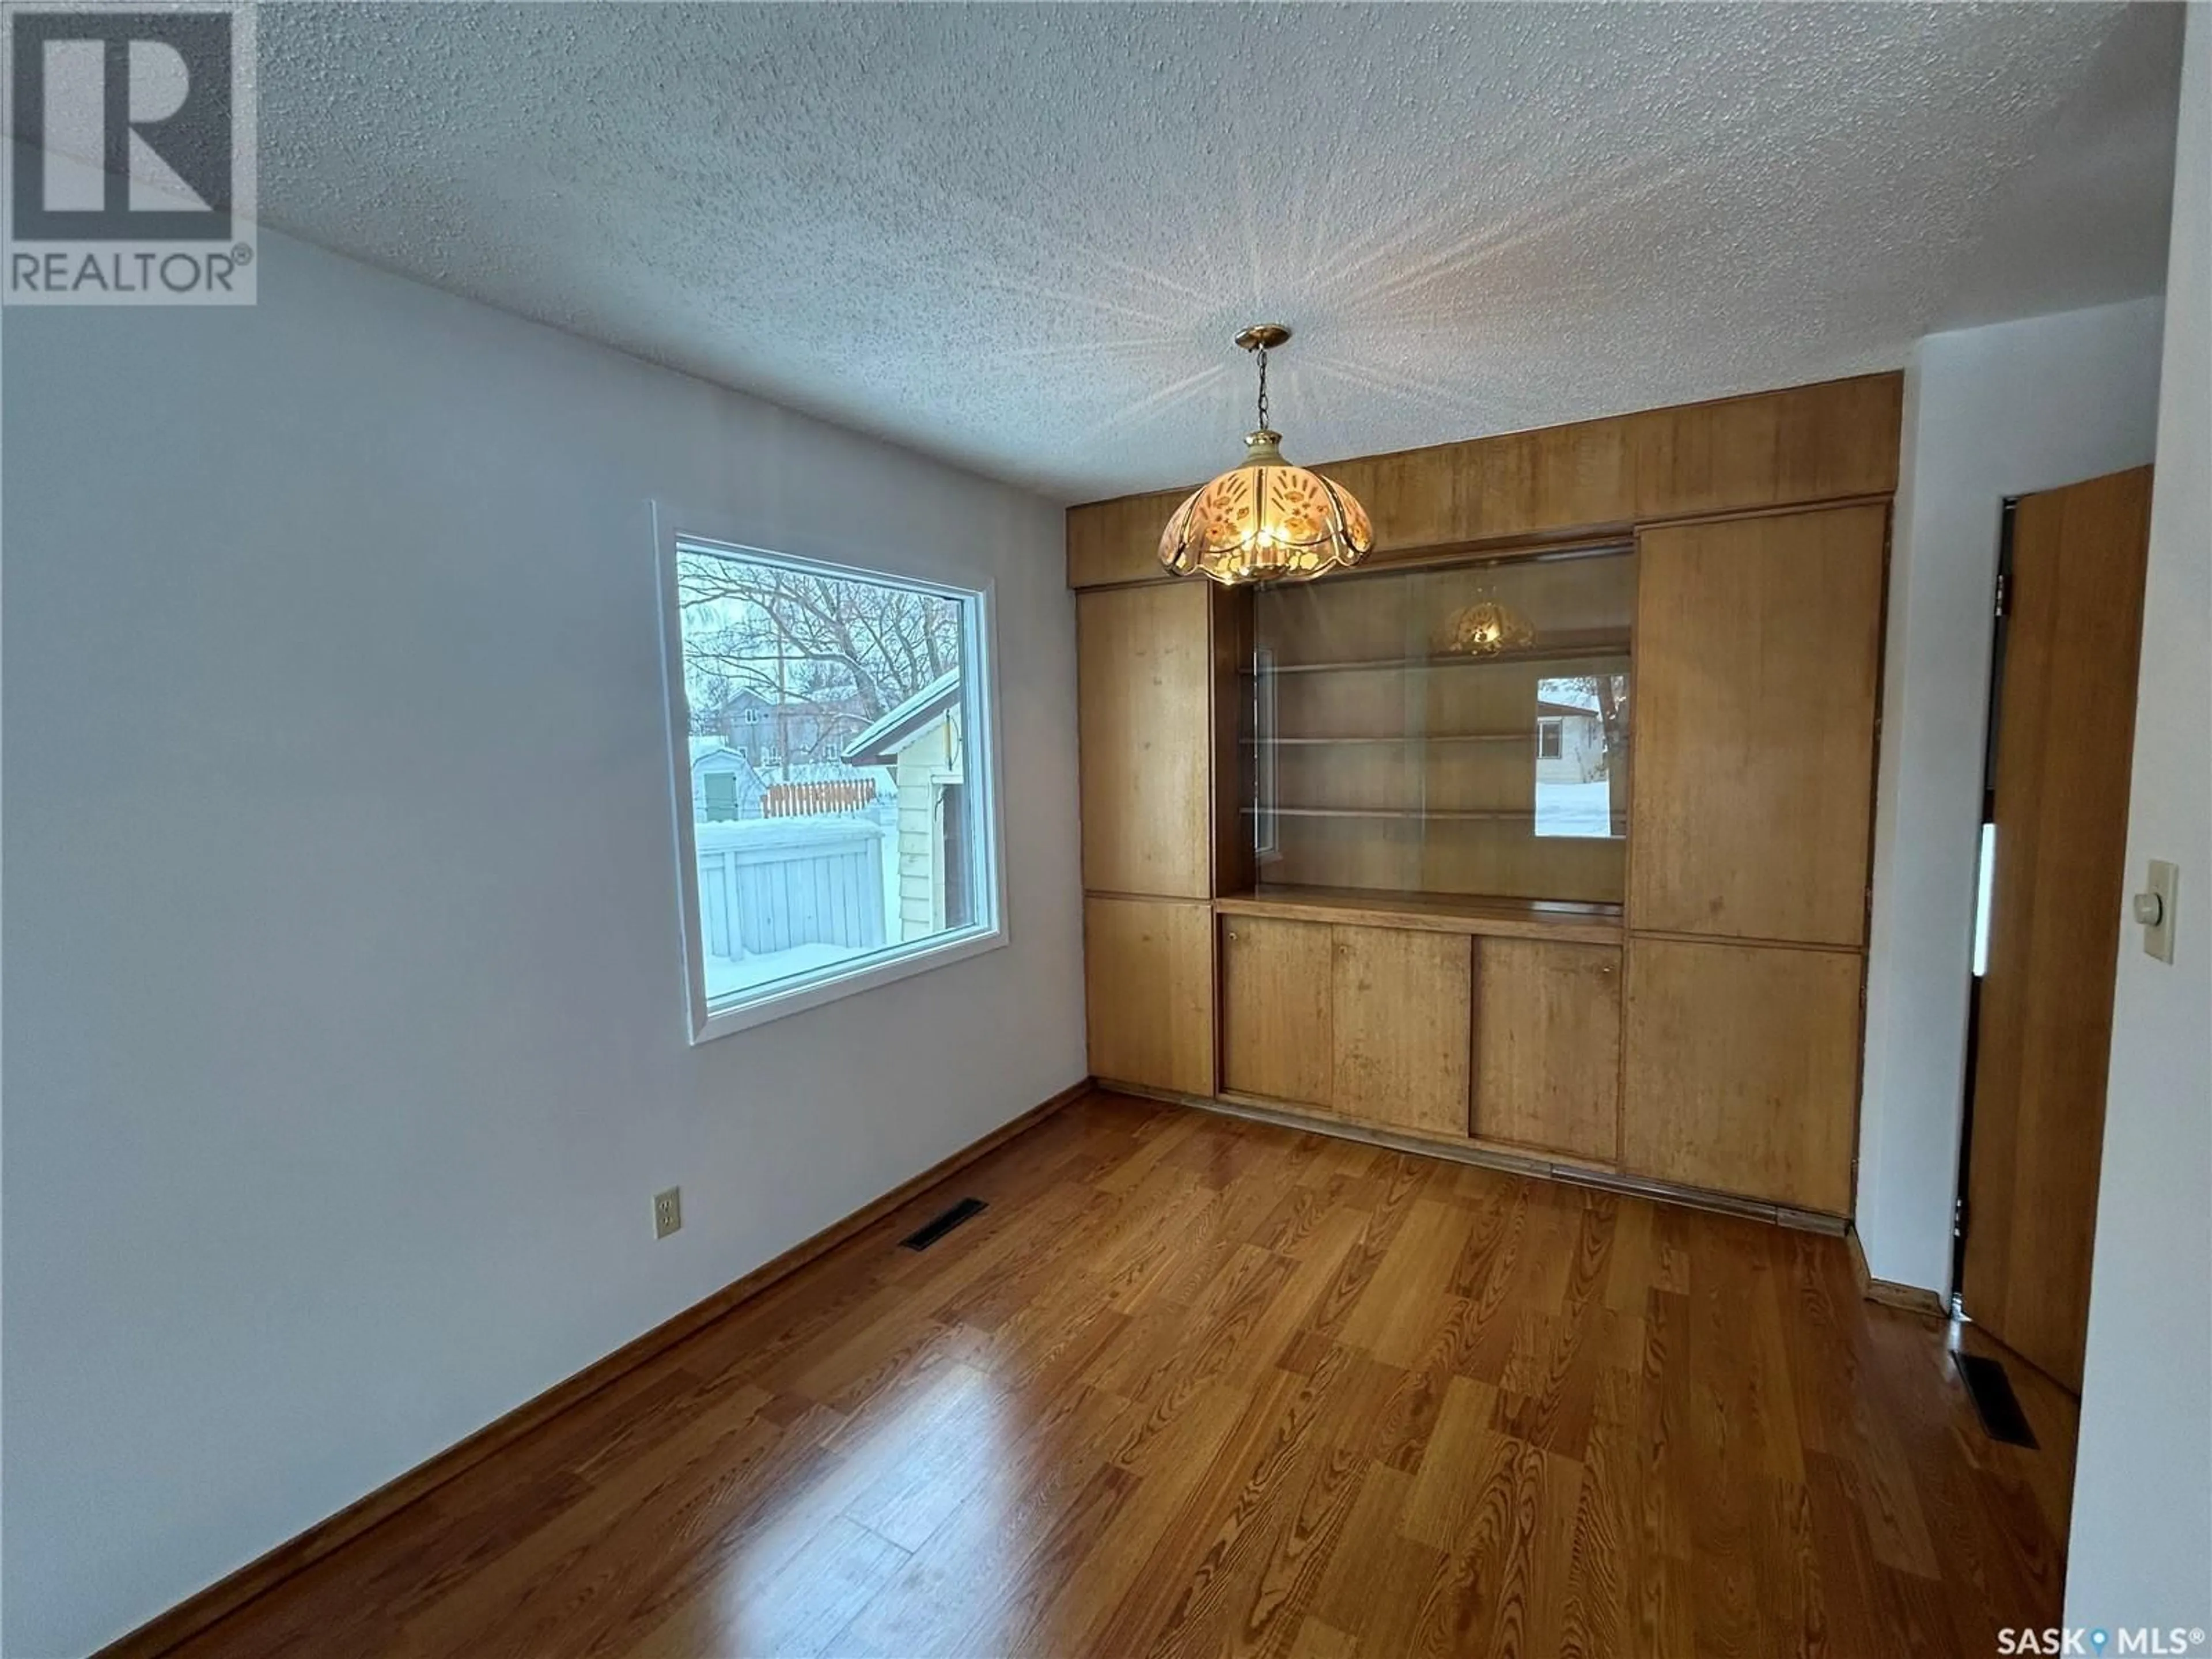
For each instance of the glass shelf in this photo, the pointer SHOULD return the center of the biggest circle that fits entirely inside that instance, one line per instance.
(1403, 737)
(1598, 650)
(1369, 768)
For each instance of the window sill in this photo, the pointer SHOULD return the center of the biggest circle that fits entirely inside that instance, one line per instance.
(834, 982)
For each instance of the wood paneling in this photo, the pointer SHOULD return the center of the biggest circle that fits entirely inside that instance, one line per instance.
(1815, 443)
(1742, 1069)
(1148, 979)
(1547, 1046)
(1400, 1009)
(1119, 541)
(1145, 668)
(1758, 669)
(1194, 1385)
(1276, 1030)
(2065, 737)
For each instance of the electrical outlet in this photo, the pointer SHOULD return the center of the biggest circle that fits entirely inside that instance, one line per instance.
(667, 1212)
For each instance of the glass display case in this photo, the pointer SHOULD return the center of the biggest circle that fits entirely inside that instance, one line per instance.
(1459, 729)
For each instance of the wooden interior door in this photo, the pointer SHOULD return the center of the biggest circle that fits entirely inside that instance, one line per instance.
(2065, 728)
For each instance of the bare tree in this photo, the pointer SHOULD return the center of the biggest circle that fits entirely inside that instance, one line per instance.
(792, 637)
(1609, 692)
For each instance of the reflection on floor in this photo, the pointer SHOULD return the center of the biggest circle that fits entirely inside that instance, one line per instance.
(1197, 1384)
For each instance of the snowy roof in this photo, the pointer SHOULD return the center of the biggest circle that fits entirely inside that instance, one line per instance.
(1554, 698)
(707, 750)
(903, 724)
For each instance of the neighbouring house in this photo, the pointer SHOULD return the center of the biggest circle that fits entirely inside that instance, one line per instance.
(744, 722)
(799, 731)
(920, 742)
(724, 784)
(1570, 738)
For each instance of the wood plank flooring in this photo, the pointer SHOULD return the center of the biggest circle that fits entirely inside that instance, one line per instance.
(1199, 1385)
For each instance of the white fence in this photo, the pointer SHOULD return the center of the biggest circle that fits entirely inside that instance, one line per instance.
(773, 884)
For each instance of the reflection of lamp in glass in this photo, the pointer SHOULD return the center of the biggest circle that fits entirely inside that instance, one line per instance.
(1486, 628)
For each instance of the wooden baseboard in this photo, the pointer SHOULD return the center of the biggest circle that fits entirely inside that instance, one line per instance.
(165, 1631)
(1490, 1155)
(1910, 1299)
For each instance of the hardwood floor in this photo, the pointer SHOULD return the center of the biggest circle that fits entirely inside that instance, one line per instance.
(1194, 1384)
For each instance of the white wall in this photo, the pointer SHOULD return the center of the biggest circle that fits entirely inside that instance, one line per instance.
(1989, 412)
(2141, 1544)
(307, 1178)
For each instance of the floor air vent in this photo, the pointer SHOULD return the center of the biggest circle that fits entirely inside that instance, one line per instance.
(1995, 1402)
(966, 1210)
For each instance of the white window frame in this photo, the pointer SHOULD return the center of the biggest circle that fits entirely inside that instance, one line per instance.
(674, 531)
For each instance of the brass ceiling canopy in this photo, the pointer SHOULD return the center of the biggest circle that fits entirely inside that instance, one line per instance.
(1265, 520)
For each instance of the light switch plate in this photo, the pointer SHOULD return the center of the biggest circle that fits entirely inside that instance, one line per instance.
(2164, 887)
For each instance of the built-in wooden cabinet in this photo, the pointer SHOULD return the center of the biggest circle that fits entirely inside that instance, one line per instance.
(1593, 894)
(1400, 1006)
(1144, 737)
(1278, 994)
(1742, 1071)
(1148, 967)
(1758, 664)
(1456, 728)
(1368, 1022)
(1547, 1046)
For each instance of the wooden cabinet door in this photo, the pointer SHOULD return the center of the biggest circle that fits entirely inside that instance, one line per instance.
(1757, 660)
(1148, 981)
(1742, 1070)
(1399, 1006)
(1144, 681)
(1547, 1046)
(1275, 1016)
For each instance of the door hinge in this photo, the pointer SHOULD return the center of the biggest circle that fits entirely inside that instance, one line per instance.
(2004, 593)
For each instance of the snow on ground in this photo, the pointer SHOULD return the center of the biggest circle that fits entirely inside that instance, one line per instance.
(724, 977)
(1575, 809)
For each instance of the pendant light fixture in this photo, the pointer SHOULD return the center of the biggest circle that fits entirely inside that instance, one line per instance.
(1265, 520)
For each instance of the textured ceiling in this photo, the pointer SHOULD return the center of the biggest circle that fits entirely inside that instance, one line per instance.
(1020, 237)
